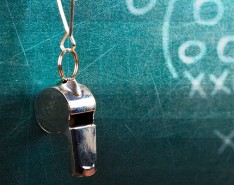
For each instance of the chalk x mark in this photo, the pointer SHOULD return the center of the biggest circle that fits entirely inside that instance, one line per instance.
(130, 130)
(227, 141)
(196, 84)
(219, 83)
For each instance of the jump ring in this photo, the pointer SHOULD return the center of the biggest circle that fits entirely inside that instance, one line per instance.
(76, 64)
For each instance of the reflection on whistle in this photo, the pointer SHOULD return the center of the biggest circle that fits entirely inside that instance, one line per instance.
(73, 115)
(83, 144)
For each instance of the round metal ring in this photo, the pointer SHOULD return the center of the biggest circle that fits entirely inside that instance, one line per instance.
(76, 63)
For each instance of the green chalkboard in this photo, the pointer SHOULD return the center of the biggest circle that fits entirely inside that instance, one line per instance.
(162, 75)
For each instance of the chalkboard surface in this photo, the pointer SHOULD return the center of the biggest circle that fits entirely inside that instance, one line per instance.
(162, 75)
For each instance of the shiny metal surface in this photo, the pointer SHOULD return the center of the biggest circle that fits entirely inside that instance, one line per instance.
(72, 87)
(83, 150)
(78, 96)
(76, 64)
(69, 108)
(52, 111)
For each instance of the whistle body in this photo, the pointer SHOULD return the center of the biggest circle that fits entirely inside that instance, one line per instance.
(69, 108)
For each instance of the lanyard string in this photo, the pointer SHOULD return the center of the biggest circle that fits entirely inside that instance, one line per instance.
(68, 33)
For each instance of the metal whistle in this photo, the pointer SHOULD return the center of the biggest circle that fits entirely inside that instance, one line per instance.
(69, 108)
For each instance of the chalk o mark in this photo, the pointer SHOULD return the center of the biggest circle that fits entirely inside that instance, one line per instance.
(166, 39)
(221, 48)
(191, 59)
(140, 11)
(210, 22)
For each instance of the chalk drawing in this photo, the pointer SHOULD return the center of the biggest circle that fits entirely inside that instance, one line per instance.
(221, 49)
(140, 11)
(191, 59)
(211, 62)
(210, 22)
(166, 39)
(196, 84)
(219, 83)
(227, 141)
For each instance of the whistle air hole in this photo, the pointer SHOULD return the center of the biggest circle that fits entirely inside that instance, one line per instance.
(81, 119)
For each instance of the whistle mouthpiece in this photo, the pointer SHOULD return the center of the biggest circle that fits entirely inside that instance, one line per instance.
(83, 150)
